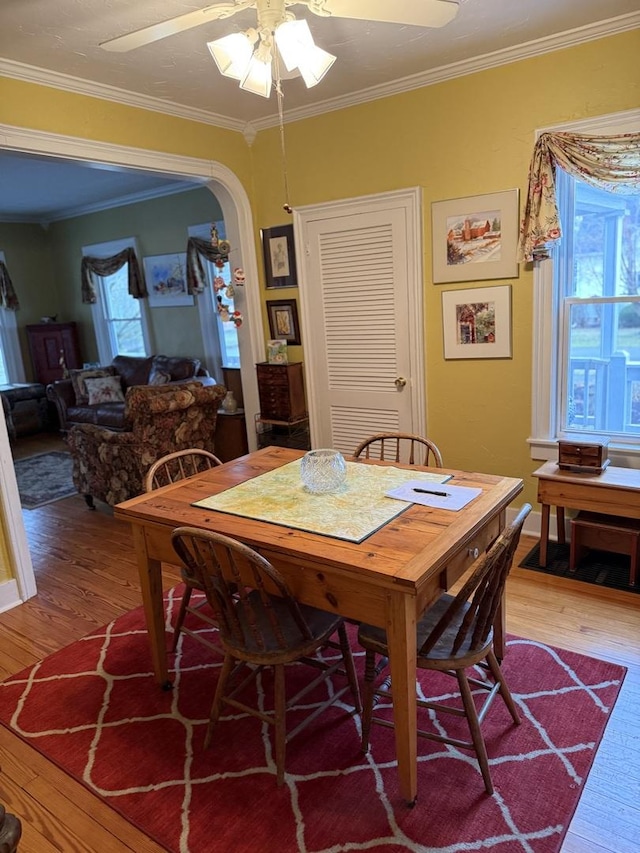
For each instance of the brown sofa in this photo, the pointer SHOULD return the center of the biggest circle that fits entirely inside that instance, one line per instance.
(71, 396)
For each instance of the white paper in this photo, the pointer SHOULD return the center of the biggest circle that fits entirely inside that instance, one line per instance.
(442, 496)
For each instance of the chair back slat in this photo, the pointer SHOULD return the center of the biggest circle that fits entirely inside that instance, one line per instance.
(241, 587)
(400, 447)
(177, 466)
(481, 593)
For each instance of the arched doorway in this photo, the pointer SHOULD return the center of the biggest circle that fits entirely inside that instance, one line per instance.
(234, 202)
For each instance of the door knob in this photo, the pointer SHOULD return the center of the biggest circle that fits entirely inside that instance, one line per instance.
(400, 382)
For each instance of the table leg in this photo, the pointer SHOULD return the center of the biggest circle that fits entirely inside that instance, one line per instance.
(150, 574)
(560, 524)
(544, 535)
(401, 641)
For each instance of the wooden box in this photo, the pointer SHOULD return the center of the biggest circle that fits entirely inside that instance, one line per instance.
(583, 456)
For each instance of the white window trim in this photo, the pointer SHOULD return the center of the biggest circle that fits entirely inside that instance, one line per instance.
(107, 250)
(11, 343)
(543, 442)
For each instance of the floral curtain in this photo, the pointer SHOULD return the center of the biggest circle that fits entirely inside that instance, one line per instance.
(196, 281)
(107, 266)
(609, 162)
(8, 298)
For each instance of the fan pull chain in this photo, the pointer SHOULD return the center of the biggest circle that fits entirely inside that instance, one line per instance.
(280, 97)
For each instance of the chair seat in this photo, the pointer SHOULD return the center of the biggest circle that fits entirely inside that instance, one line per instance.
(375, 638)
(263, 643)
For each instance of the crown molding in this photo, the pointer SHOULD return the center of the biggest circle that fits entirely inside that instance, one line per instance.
(68, 83)
(526, 50)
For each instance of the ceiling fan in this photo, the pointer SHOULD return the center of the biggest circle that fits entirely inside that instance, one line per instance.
(237, 56)
(423, 13)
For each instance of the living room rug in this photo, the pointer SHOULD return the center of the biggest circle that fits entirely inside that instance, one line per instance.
(603, 568)
(44, 478)
(95, 710)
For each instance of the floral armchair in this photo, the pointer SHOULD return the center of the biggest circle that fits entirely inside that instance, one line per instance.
(111, 465)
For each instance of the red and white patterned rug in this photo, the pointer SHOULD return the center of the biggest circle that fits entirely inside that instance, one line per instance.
(94, 709)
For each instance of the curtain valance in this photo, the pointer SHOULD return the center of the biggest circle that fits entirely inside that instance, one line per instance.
(8, 298)
(609, 162)
(107, 266)
(196, 247)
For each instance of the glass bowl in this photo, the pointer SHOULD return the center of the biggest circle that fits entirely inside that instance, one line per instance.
(323, 470)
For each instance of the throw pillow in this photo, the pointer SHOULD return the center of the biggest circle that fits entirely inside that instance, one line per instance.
(105, 389)
(78, 378)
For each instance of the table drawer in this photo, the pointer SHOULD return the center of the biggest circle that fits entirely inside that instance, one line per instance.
(474, 549)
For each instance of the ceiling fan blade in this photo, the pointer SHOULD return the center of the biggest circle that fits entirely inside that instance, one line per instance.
(425, 13)
(155, 32)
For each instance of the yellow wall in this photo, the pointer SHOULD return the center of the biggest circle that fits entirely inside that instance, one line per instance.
(458, 138)
(463, 137)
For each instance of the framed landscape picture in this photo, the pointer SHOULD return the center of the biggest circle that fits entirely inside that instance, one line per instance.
(279, 256)
(475, 238)
(476, 323)
(166, 278)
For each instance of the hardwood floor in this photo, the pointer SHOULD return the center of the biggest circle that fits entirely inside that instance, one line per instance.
(86, 576)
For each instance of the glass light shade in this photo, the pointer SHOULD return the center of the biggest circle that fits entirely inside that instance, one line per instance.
(258, 77)
(232, 54)
(323, 471)
(293, 39)
(315, 65)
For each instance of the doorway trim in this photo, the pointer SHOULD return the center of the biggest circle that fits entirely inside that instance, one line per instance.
(236, 210)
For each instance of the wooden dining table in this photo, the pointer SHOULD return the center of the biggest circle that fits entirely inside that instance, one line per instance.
(388, 580)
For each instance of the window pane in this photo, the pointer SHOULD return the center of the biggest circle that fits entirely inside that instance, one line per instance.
(597, 263)
(604, 367)
(122, 314)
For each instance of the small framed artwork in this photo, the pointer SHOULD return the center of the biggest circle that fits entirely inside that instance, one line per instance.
(279, 256)
(283, 320)
(475, 238)
(166, 277)
(477, 323)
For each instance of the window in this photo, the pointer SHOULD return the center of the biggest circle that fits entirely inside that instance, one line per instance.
(225, 335)
(586, 367)
(119, 319)
(597, 282)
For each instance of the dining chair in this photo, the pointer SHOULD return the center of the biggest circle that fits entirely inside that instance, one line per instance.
(170, 469)
(400, 447)
(455, 634)
(261, 625)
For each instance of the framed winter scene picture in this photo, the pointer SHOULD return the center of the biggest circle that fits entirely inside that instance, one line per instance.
(475, 238)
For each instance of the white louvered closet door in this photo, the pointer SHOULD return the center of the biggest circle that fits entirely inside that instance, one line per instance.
(362, 321)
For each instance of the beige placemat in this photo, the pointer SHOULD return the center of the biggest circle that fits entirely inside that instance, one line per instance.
(353, 513)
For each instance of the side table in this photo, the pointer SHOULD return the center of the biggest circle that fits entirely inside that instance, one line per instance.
(616, 491)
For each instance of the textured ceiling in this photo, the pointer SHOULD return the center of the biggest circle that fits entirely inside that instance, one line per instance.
(64, 35)
(61, 37)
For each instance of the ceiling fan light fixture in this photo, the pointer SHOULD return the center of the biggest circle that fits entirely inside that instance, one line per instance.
(257, 78)
(315, 65)
(232, 54)
(293, 39)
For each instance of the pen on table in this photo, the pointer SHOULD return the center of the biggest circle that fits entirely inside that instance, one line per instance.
(431, 492)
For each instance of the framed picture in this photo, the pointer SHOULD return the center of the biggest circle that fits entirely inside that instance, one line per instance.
(166, 277)
(279, 256)
(283, 320)
(477, 323)
(475, 238)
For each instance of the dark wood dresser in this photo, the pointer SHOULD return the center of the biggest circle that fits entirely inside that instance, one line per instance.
(47, 343)
(281, 391)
